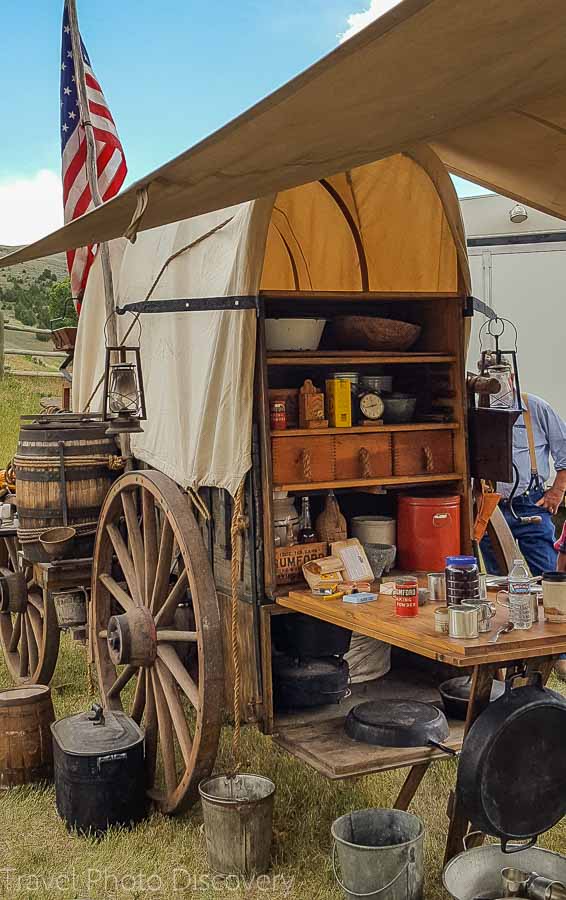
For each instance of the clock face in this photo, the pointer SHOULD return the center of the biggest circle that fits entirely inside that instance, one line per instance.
(371, 406)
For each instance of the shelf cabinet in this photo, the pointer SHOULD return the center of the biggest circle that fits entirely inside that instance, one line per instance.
(423, 453)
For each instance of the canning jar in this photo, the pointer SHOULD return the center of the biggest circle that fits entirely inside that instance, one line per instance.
(462, 579)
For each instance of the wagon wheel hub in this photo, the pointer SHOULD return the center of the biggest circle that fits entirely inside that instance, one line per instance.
(132, 638)
(13, 593)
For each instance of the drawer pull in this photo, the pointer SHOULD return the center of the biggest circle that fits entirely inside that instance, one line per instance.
(365, 462)
(429, 459)
(307, 465)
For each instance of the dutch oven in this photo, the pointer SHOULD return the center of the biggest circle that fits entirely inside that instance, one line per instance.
(315, 682)
(456, 692)
(512, 772)
(398, 723)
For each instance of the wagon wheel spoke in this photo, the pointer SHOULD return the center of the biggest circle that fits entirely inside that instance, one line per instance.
(122, 680)
(126, 563)
(142, 656)
(151, 726)
(36, 602)
(165, 614)
(33, 654)
(138, 704)
(166, 740)
(163, 570)
(176, 710)
(169, 656)
(24, 652)
(151, 548)
(135, 540)
(12, 548)
(118, 592)
(16, 632)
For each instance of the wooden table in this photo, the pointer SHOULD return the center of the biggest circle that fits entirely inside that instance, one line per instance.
(532, 650)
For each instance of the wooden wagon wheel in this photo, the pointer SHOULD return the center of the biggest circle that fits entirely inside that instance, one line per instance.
(29, 632)
(156, 631)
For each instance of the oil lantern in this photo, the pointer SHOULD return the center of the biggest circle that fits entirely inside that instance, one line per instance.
(124, 398)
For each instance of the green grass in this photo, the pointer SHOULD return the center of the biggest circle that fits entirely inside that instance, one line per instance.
(53, 864)
(20, 397)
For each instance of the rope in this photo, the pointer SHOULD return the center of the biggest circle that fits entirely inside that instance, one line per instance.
(237, 530)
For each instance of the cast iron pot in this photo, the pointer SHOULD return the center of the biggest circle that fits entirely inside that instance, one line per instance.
(302, 637)
(512, 772)
(456, 692)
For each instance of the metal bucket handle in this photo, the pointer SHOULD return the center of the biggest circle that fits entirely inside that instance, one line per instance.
(516, 847)
(380, 890)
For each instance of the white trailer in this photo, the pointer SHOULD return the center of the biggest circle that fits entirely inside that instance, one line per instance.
(519, 269)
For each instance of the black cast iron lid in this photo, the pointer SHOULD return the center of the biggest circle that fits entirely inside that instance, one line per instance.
(94, 733)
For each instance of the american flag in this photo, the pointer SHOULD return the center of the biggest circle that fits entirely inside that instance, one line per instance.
(111, 162)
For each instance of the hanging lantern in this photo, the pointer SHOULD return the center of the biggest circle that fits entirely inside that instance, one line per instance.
(124, 398)
(501, 365)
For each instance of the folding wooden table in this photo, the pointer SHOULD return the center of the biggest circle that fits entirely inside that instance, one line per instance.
(533, 650)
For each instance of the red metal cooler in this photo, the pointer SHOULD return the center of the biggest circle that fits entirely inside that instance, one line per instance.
(428, 530)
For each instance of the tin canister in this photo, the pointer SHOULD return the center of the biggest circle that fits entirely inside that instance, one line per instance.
(406, 593)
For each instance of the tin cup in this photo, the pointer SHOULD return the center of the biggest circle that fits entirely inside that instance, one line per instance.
(436, 587)
(486, 612)
(406, 594)
(515, 882)
(463, 621)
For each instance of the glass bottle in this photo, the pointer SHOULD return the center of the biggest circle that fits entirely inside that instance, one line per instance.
(307, 534)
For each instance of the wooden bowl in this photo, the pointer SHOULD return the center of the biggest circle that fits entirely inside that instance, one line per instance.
(374, 333)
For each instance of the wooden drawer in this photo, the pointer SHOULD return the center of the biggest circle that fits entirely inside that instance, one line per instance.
(300, 460)
(363, 456)
(423, 453)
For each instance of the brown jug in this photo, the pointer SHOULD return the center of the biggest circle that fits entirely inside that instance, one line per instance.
(331, 525)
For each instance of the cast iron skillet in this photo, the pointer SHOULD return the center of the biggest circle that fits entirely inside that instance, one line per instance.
(398, 723)
(512, 771)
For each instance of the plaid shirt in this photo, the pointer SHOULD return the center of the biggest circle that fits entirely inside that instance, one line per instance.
(560, 544)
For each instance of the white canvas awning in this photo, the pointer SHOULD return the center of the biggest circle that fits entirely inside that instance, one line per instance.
(481, 81)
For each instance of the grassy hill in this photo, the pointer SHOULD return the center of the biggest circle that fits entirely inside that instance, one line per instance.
(31, 270)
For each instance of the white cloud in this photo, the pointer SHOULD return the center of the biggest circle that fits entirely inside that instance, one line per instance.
(30, 207)
(359, 20)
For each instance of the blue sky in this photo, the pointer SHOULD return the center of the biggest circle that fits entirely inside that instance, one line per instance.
(172, 72)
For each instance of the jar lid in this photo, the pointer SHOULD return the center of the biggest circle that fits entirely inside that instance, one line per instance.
(461, 561)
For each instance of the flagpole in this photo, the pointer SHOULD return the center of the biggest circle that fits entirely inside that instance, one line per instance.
(91, 168)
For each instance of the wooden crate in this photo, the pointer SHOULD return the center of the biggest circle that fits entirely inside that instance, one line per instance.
(289, 561)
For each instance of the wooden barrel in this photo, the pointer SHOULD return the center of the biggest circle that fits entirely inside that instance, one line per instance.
(64, 466)
(26, 746)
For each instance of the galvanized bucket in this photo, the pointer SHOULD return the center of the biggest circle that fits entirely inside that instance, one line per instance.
(477, 872)
(380, 852)
(70, 606)
(238, 815)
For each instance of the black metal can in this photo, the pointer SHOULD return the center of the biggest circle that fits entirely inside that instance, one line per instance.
(99, 767)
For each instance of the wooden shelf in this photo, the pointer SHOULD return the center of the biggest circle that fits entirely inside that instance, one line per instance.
(368, 429)
(390, 481)
(349, 358)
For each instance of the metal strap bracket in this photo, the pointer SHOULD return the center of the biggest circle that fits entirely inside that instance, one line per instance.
(195, 304)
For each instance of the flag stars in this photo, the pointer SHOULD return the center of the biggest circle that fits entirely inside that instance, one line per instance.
(63, 66)
(67, 29)
(65, 127)
(72, 114)
(70, 54)
(67, 91)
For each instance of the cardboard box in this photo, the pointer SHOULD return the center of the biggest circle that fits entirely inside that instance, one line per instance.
(339, 403)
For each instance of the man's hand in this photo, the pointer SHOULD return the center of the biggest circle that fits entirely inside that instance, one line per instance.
(552, 499)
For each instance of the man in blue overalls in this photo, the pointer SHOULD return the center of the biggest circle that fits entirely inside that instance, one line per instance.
(539, 434)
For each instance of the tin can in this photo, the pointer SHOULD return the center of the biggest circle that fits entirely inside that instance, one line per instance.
(441, 620)
(278, 415)
(406, 593)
